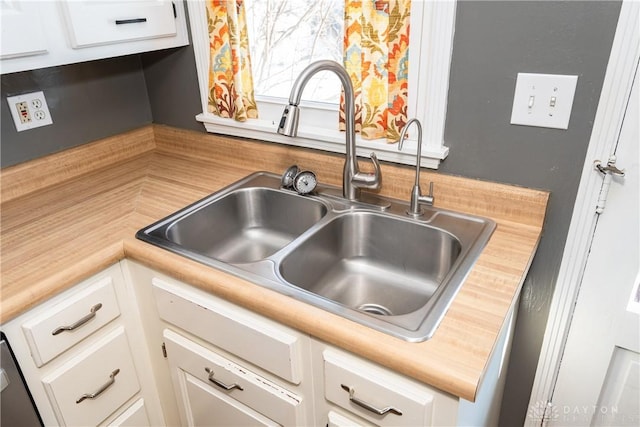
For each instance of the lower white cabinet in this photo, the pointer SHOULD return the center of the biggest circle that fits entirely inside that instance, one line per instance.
(212, 390)
(220, 359)
(90, 385)
(167, 353)
(206, 406)
(375, 394)
(133, 416)
(338, 420)
(84, 358)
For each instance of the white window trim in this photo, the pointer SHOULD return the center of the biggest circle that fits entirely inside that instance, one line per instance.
(432, 22)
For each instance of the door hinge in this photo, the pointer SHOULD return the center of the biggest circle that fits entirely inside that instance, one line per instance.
(164, 350)
(607, 172)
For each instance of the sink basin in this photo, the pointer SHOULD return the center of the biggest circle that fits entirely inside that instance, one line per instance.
(374, 263)
(245, 225)
(371, 263)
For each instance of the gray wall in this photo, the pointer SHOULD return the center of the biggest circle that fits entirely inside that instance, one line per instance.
(172, 82)
(493, 42)
(87, 101)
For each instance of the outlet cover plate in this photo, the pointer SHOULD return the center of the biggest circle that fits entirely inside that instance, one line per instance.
(543, 100)
(36, 113)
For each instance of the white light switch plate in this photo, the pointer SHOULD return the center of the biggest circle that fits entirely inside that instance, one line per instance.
(29, 110)
(543, 100)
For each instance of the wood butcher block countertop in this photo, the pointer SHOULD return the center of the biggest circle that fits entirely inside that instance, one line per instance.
(71, 214)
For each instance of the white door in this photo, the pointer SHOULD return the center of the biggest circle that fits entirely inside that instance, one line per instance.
(599, 378)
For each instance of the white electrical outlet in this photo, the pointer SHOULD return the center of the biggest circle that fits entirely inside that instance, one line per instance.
(543, 100)
(29, 110)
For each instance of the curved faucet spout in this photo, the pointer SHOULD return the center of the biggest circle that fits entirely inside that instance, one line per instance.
(416, 193)
(353, 180)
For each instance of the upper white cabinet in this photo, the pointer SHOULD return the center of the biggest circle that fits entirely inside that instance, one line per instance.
(91, 23)
(48, 33)
(21, 32)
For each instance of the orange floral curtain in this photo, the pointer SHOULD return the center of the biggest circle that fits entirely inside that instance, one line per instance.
(376, 56)
(230, 80)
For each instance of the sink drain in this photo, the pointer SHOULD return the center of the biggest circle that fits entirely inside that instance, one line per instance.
(375, 309)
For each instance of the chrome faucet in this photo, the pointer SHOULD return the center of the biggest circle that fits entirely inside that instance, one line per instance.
(352, 179)
(416, 194)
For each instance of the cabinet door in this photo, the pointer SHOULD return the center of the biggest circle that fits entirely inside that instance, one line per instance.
(206, 406)
(21, 30)
(91, 23)
(190, 362)
(134, 416)
(337, 420)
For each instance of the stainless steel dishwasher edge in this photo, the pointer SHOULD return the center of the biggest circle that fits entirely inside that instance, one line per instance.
(16, 404)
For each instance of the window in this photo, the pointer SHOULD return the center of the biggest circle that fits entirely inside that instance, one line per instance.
(286, 36)
(432, 26)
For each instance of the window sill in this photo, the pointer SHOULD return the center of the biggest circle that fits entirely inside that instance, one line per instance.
(326, 140)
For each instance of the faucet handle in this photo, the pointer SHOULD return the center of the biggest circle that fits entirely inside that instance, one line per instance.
(369, 180)
(428, 199)
(376, 166)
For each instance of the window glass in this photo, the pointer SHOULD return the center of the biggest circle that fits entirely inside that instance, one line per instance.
(286, 36)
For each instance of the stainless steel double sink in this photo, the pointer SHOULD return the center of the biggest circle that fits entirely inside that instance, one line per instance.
(371, 263)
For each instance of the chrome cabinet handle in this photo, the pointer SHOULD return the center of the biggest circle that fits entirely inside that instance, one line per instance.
(112, 379)
(367, 406)
(220, 383)
(80, 322)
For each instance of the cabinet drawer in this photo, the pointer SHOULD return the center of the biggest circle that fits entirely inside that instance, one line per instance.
(273, 347)
(134, 416)
(95, 23)
(338, 420)
(354, 384)
(191, 362)
(105, 370)
(65, 324)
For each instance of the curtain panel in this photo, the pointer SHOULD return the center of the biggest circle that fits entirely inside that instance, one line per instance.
(376, 56)
(230, 80)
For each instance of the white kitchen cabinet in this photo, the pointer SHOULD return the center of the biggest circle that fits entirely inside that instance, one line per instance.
(91, 385)
(204, 380)
(338, 420)
(377, 395)
(287, 378)
(210, 345)
(95, 23)
(87, 366)
(64, 325)
(133, 416)
(50, 33)
(206, 406)
(238, 331)
(15, 18)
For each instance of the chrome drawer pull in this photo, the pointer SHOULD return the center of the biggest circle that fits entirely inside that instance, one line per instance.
(220, 383)
(80, 322)
(368, 407)
(112, 379)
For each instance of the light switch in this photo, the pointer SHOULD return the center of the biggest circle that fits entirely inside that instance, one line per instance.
(543, 100)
